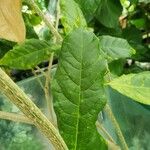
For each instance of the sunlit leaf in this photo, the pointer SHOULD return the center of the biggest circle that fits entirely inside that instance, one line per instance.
(135, 86)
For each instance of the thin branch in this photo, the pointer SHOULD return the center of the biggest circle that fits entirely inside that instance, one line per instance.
(48, 74)
(15, 117)
(34, 73)
(45, 19)
(116, 126)
(24, 103)
(47, 91)
(40, 70)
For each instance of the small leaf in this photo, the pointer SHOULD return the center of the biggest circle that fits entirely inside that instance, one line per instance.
(28, 54)
(78, 91)
(115, 48)
(11, 22)
(135, 86)
(72, 16)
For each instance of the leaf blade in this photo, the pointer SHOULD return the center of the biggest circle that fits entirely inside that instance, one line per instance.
(28, 54)
(89, 8)
(108, 13)
(135, 86)
(77, 90)
(72, 16)
(115, 48)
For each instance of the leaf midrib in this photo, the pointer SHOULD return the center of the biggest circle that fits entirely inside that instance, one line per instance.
(80, 77)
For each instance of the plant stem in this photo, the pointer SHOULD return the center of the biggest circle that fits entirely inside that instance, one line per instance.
(48, 96)
(15, 117)
(23, 102)
(48, 74)
(34, 73)
(116, 126)
(45, 19)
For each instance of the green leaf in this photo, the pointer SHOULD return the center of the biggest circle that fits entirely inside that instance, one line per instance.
(116, 67)
(89, 8)
(78, 91)
(108, 13)
(72, 16)
(30, 32)
(115, 48)
(5, 46)
(28, 54)
(135, 86)
(134, 37)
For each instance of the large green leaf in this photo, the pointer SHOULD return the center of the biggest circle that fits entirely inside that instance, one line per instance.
(78, 91)
(108, 13)
(72, 16)
(115, 48)
(135, 86)
(89, 8)
(28, 54)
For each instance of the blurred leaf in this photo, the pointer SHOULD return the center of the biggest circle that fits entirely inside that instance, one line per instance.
(144, 1)
(11, 25)
(30, 32)
(77, 108)
(139, 23)
(108, 13)
(47, 3)
(72, 16)
(135, 86)
(134, 37)
(115, 48)
(89, 8)
(116, 67)
(34, 19)
(28, 54)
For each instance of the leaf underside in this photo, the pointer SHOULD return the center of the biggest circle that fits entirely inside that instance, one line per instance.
(78, 91)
